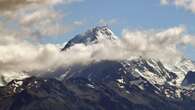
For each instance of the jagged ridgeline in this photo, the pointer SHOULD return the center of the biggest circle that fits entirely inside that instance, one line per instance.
(130, 84)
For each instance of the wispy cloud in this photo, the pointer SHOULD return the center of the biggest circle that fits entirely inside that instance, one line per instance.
(186, 4)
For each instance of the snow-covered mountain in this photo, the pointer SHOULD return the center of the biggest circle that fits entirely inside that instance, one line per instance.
(167, 79)
(92, 36)
(137, 83)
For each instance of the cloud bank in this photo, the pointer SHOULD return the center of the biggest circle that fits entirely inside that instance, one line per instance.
(186, 4)
(18, 56)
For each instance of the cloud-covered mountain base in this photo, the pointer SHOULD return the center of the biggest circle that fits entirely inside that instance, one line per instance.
(98, 71)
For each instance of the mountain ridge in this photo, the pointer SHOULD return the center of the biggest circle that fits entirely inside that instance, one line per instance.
(81, 94)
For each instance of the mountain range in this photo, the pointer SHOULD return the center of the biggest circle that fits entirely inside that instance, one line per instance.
(129, 84)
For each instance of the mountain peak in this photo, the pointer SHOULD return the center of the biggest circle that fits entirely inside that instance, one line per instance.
(92, 36)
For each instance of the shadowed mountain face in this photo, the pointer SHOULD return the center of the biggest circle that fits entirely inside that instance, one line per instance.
(189, 79)
(131, 84)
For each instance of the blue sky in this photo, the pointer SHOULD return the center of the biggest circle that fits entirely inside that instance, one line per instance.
(133, 14)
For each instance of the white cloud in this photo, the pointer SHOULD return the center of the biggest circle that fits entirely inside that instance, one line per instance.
(186, 4)
(107, 22)
(161, 45)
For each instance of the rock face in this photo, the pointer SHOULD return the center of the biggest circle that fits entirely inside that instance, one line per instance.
(130, 84)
